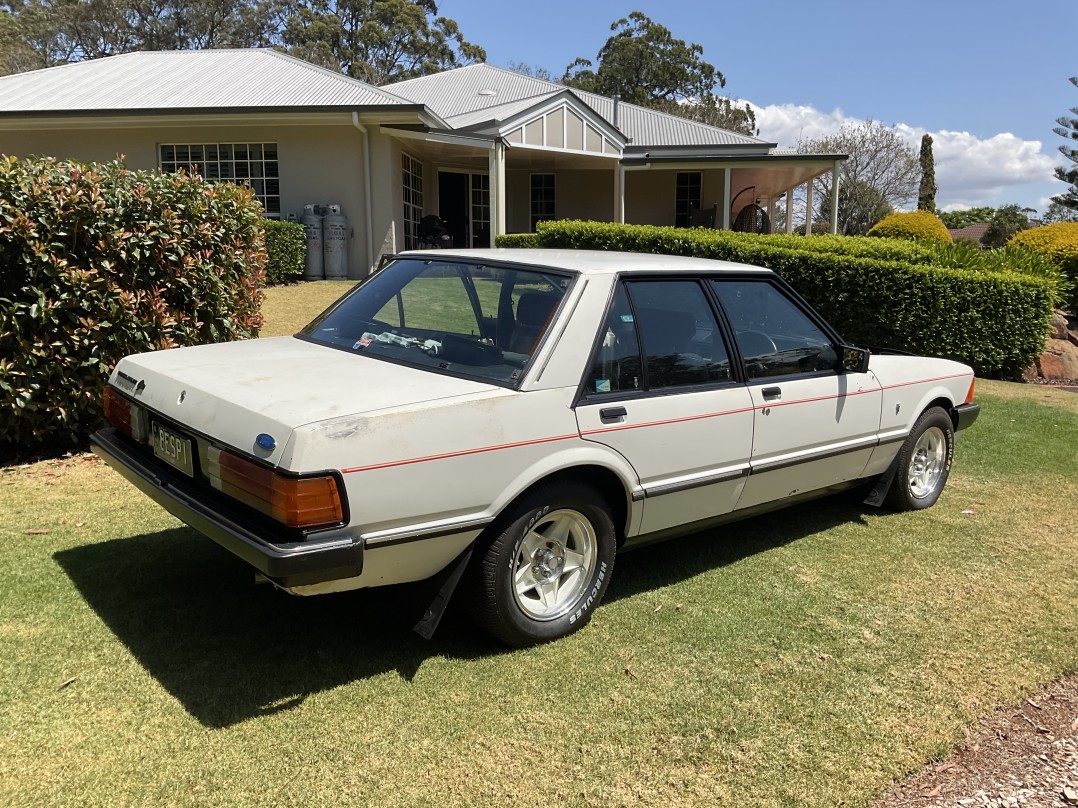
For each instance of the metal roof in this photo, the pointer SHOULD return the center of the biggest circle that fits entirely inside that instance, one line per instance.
(496, 113)
(460, 95)
(254, 79)
(472, 88)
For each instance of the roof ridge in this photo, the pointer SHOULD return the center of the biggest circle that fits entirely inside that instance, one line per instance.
(267, 52)
(579, 93)
(522, 100)
(311, 66)
(526, 76)
(678, 118)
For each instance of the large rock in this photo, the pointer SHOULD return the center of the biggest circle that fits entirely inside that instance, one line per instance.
(1059, 362)
(1059, 326)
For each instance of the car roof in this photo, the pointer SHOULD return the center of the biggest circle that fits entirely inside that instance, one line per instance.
(591, 262)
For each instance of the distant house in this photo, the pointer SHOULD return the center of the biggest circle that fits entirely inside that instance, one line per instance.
(973, 232)
(489, 150)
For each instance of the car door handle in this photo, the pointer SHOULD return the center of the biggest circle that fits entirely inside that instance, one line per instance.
(610, 413)
(772, 392)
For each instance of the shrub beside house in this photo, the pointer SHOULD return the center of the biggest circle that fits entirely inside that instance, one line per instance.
(97, 262)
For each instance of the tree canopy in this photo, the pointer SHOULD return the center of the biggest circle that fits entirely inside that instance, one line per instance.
(1059, 213)
(645, 64)
(880, 174)
(373, 40)
(1068, 128)
(1007, 220)
(957, 219)
(377, 41)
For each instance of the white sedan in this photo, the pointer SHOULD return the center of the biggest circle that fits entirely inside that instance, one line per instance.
(510, 419)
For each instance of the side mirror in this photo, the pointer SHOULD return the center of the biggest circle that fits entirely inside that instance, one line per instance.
(855, 360)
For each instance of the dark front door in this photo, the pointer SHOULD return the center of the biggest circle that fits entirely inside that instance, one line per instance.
(453, 205)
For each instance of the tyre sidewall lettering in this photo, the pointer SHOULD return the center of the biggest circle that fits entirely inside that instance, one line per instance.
(593, 596)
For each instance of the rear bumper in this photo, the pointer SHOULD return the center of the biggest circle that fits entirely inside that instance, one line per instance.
(286, 563)
(964, 415)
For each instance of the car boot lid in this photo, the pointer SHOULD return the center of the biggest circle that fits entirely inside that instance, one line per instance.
(237, 391)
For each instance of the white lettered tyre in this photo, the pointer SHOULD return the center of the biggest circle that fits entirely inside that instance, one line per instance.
(542, 569)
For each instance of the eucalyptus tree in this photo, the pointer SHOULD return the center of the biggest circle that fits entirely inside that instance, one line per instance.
(377, 41)
(643, 63)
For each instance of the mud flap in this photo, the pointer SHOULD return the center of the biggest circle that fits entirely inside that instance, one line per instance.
(883, 484)
(447, 581)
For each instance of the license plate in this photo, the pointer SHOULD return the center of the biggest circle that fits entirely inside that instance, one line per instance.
(173, 449)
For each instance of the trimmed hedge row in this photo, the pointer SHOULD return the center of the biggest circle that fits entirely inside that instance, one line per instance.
(994, 321)
(97, 262)
(1059, 244)
(914, 225)
(286, 251)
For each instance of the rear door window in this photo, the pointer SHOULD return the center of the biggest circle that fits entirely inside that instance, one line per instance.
(659, 335)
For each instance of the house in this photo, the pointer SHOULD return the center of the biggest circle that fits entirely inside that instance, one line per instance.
(974, 232)
(489, 150)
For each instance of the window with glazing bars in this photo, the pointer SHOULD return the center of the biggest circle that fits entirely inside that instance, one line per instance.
(253, 164)
(412, 174)
(687, 197)
(542, 198)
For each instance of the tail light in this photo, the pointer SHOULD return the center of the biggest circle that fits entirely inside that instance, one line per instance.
(124, 414)
(297, 502)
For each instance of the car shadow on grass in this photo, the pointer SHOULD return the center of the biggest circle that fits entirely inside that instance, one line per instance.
(654, 566)
(229, 650)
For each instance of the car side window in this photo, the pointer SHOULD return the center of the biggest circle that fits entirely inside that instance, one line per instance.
(776, 337)
(681, 346)
(616, 367)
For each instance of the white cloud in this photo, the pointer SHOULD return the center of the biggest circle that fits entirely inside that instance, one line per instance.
(970, 171)
(788, 124)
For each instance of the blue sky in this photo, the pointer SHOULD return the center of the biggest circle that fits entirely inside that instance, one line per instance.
(986, 79)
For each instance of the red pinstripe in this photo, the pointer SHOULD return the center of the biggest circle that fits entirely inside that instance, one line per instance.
(483, 449)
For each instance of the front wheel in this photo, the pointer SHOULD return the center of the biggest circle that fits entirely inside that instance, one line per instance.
(545, 566)
(924, 462)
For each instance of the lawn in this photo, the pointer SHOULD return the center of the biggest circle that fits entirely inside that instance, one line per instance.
(808, 657)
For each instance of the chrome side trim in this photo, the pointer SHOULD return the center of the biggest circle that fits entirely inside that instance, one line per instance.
(815, 454)
(894, 436)
(388, 538)
(697, 482)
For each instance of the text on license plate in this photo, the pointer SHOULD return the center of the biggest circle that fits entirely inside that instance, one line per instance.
(173, 449)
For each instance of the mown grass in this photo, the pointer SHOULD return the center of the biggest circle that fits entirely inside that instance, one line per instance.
(808, 657)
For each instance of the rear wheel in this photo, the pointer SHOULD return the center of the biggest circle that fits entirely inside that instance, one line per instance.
(924, 462)
(545, 565)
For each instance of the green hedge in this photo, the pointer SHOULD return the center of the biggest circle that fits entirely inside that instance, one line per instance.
(517, 240)
(286, 251)
(97, 262)
(914, 225)
(1057, 243)
(994, 321)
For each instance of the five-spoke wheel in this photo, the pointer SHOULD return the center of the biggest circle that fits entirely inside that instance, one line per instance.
(543, 567)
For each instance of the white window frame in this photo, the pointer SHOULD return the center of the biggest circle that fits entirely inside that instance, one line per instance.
(479, 196)
(258, 169)
(412, 187)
